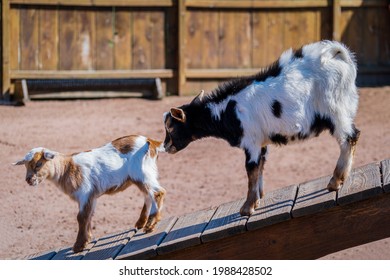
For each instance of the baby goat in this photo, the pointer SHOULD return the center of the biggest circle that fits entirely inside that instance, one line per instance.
(303, 93)
(105, 170)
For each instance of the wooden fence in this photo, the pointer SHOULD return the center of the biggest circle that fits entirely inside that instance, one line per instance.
(189, 44)
(303, 221)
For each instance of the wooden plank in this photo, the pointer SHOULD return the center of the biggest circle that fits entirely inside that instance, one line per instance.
(67, 38)
(326, 29)
(385, 168)
(186, 232)
(336, 20)
(77, 37)
(304, 238)
(29, 38)
(243, 39)
(313, 197)
(14, 28)
(104, 40)
(219, 73)
(275, 35)
(274, 208)
(244, 4)
(259, 39)
(85, 74)
(47, 255)
(144, 246)
(122, 39)
(48, 39)
(225, 222)
(384, 37)
(194, 39)
(68, 254)
(5, 48)
(181, 48)
(227, 40)
(111, 3)
(142, 35)
(210, 43)
(364, 182)
(157, 22)
(107, 248)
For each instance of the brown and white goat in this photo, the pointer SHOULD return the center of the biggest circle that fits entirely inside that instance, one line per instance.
(105, 170)
(303, 93)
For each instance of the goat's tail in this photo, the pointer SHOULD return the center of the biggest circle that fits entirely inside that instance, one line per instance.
(337, 50)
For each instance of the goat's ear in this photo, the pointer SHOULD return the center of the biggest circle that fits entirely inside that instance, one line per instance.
(178, 114)
(49, 155)
(199, 97)
(20, 162)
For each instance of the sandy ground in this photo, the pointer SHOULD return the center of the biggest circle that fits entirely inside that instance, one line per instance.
(207, 173)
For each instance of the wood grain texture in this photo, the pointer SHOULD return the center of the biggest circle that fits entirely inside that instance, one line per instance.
(363, 182)
(109, 246)
(14, 28)
(307, 237)
(186, 232)
(385, 169)
(225, 222)
(275, 207)
(68, 254)
(104, 39)
(47, 255)
(313, 197)
(143, 246)
(48, 39)
(122, 39)
(29, 39)
(259, 39)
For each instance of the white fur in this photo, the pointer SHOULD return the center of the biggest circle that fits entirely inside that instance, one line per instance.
(320, 82)
(104, 169)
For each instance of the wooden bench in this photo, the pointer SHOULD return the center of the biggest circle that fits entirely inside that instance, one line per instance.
(302, 221)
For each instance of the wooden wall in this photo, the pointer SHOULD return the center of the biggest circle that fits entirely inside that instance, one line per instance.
(191, 44)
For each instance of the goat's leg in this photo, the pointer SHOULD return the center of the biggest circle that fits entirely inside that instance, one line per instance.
(159, 198)
(344, 163)
(142, 218)
(254, 169)
(153, 213)
(84, 220)
(262, 160)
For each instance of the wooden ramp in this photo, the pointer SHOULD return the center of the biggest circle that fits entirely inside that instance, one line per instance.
(302, 221)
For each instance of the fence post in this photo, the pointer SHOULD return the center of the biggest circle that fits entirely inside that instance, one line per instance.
(181, 71)
(6, 82)
(336, 35)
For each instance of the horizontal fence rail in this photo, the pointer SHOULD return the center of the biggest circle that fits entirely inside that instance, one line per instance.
(189, 44)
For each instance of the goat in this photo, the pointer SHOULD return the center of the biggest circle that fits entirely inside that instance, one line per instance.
(303, 93)
(105, 170)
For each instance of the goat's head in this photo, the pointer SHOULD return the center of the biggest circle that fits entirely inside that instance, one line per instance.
(179, 126)
(37, 167)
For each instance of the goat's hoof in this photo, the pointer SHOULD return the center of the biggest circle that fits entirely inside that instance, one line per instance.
(78, 247)
(246, 211)
(149, 229)
(333, 185)
(140, 224)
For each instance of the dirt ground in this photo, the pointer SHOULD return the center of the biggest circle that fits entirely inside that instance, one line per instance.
(209, 172)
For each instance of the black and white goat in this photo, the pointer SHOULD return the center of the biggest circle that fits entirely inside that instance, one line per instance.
(303, 93)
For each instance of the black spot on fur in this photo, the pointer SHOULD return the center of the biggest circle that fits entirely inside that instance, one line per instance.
(298, 53)
(234, 86)
(278, 139)
(321, 123)
(229, 126)
(276, 108)
(352, 139)
(250, 165)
